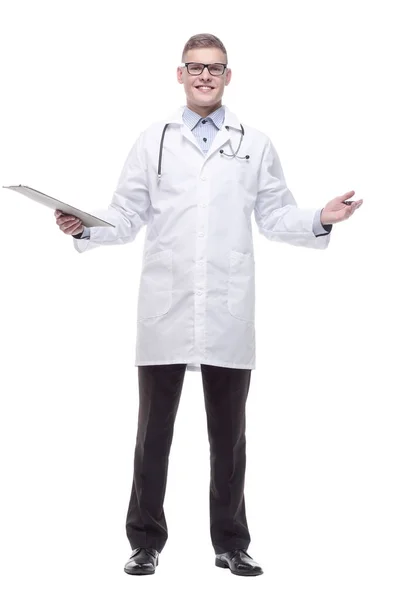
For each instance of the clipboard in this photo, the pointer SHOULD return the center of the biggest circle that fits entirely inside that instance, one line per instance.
(87, 219)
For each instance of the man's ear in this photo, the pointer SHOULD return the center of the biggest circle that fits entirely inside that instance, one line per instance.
(179, 74)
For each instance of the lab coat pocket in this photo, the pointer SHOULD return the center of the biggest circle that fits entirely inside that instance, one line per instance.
(155, 290)
(241, 287)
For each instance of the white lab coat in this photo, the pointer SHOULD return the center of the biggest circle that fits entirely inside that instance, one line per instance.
(196, 299)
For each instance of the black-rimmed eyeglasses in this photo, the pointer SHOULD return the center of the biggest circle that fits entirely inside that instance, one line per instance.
(194, 68)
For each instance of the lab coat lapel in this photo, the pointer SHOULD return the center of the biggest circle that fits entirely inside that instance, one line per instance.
(176, 118)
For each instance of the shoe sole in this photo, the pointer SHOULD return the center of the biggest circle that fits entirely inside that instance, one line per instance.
(139, 572)
(223, 565)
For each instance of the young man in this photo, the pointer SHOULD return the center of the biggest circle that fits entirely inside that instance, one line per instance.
(195, 180)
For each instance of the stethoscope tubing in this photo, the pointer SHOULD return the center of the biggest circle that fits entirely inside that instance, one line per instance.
(221, 151)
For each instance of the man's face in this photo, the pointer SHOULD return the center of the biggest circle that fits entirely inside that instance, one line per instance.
(196, 97)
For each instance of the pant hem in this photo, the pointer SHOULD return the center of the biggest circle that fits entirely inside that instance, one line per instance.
(233, 545)
(148, 544)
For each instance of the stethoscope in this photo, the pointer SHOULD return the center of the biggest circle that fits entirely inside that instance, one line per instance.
(222, 152)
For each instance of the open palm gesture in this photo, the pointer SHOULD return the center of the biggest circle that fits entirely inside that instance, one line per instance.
(339, 209)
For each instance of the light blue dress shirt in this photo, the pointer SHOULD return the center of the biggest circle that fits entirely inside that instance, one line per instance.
(205, 129)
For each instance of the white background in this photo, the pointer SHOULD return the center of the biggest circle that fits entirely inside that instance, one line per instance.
(79, 82)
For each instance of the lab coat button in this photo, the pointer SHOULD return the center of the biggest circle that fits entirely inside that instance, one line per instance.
(203, 177)
(199, 293)
(201, 234)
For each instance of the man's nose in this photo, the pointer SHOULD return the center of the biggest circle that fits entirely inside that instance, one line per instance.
(206, 72)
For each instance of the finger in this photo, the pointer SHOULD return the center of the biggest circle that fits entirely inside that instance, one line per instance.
(61, 219)
(71, 228)
(67, 219)
(355, 206)
(346, 196)
(68, 222)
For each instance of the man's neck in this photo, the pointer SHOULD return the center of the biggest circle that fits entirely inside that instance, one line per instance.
(204, 111)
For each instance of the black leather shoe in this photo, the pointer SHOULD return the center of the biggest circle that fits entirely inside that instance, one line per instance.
(142, 561)
(239, 562)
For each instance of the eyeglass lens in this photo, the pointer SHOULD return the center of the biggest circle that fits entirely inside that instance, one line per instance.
(197, 68)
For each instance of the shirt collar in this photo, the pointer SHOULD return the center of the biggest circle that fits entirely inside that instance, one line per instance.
(231, 119)
(191, 119)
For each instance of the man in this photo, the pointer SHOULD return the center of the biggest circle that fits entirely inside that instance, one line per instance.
(195, 180)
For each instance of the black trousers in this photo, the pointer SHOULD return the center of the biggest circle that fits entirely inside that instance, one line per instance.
(225, 393)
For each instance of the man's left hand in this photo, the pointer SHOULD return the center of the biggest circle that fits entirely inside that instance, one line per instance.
(337, 210)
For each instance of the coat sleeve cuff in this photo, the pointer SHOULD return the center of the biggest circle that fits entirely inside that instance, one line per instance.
(84, 235)
(318, 228)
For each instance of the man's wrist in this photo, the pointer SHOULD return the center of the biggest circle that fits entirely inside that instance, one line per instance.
(84, 235)
(325, 225)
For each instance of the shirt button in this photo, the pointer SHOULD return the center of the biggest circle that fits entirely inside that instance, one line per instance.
(204, 121)
(204, 139)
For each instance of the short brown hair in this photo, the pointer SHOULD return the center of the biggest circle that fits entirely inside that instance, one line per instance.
(204, 40)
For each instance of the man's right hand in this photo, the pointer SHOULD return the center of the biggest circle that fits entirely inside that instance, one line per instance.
(68, 223)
